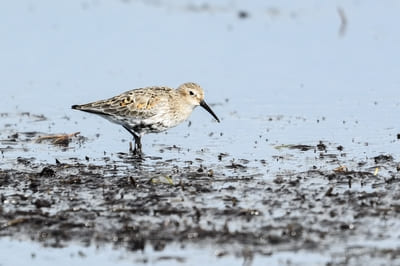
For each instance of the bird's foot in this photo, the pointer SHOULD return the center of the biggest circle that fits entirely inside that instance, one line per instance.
(137, 151)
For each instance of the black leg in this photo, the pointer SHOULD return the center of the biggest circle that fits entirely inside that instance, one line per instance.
(138, 144)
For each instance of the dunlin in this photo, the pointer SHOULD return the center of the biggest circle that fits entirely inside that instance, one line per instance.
(150, 109)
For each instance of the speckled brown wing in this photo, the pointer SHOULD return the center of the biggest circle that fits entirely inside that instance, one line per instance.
(138, 104)
(143, 103)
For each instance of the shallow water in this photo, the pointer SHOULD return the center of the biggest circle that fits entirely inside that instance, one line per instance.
(278, 75)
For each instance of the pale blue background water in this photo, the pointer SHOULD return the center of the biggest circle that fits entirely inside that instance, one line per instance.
(286, 61)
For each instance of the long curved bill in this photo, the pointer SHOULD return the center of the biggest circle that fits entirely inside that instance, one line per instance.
(205, 106)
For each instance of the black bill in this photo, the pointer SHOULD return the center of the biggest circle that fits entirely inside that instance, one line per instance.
(205, 106)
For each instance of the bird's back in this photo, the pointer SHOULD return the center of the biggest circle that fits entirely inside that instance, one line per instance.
(135, 108)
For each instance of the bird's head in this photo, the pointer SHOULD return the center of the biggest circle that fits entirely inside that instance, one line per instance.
(193, 95)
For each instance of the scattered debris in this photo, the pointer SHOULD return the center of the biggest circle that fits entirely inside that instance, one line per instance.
(47, 172)
(59, 139)
(341, 169)
(321, 146)
(383, 158)
(376, 171)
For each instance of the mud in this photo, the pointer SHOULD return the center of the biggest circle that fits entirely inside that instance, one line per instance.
(335, 207)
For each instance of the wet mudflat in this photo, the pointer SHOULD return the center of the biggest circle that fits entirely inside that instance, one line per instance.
(246, 208)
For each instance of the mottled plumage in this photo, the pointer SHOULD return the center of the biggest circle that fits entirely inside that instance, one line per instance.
(150, 109)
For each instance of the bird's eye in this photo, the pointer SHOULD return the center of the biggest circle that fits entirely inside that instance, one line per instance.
(191, 93)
